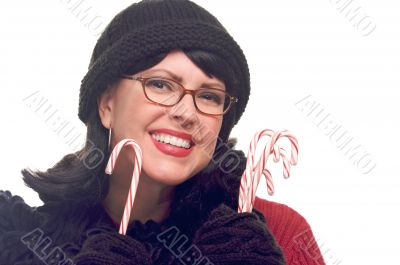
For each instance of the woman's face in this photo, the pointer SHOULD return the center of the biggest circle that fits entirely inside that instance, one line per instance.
(133, 116)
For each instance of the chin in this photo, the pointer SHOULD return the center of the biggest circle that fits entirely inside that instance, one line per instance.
(173, 181)
(170, 178)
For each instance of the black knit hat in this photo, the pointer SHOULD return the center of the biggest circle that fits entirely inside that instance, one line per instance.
(151, 27)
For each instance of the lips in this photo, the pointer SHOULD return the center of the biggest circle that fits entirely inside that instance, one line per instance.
(177, 134)
(172, 142)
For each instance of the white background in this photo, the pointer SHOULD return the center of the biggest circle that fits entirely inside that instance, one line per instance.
(294, 49)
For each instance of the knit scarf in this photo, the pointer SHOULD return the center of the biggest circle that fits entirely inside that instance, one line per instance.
(203, 228)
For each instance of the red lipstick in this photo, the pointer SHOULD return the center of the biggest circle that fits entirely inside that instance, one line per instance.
(171, 149)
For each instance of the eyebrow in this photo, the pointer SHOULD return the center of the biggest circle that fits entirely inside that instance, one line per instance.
(180, 79)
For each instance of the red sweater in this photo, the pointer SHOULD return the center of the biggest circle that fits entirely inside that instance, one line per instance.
(292, 232)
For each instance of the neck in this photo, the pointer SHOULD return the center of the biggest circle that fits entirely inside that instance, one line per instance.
(152, 200)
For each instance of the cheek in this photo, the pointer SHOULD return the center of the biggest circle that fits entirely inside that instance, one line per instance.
(134, 116)
(215, 124)
(216, 129)
(208, 134)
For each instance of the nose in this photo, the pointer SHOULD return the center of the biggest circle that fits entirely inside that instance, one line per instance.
(184, 113)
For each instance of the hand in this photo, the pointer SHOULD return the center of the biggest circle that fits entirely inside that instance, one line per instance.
(112, 248)
(228, 237)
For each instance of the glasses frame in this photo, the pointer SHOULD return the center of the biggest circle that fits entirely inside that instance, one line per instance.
(143, 80)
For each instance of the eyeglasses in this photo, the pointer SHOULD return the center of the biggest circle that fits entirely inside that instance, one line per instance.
(167, 92)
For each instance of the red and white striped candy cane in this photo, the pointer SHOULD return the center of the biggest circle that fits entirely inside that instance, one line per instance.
(252, 174)
(278, 153)
(135, 177)
(248, 174)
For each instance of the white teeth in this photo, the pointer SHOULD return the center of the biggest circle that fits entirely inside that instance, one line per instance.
(180, 142)
(172, 140)
(176, 141)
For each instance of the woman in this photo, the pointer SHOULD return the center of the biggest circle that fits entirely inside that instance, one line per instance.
(167, 74)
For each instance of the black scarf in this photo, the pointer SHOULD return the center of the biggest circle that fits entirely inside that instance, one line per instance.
(203, 228)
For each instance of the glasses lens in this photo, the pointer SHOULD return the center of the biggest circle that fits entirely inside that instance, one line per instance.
(162, 91)
(212, 101)
(168, 93)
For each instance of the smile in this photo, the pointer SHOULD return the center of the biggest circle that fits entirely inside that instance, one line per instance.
(172, 140)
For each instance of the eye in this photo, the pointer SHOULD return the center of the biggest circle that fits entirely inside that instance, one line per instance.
(211, 97)
(159, 85)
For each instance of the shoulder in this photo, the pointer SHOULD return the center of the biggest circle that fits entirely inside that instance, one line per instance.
(17, 220)
(292, 232)
(278, 214)
(30, 234)
(15, 214)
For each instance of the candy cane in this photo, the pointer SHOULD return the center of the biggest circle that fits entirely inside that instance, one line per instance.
(278, 152)
(249, 170)
(250, 177)
(252, 174)
(272, 147)
(135, 178)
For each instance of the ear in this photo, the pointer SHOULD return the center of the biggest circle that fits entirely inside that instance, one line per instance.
(105, 103)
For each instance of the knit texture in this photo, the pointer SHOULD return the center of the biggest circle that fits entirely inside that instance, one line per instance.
(292, 232)
(102, 245)
(149, 28)
(231, 238)
(204, 216)
(225, 236)
(112, 248)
